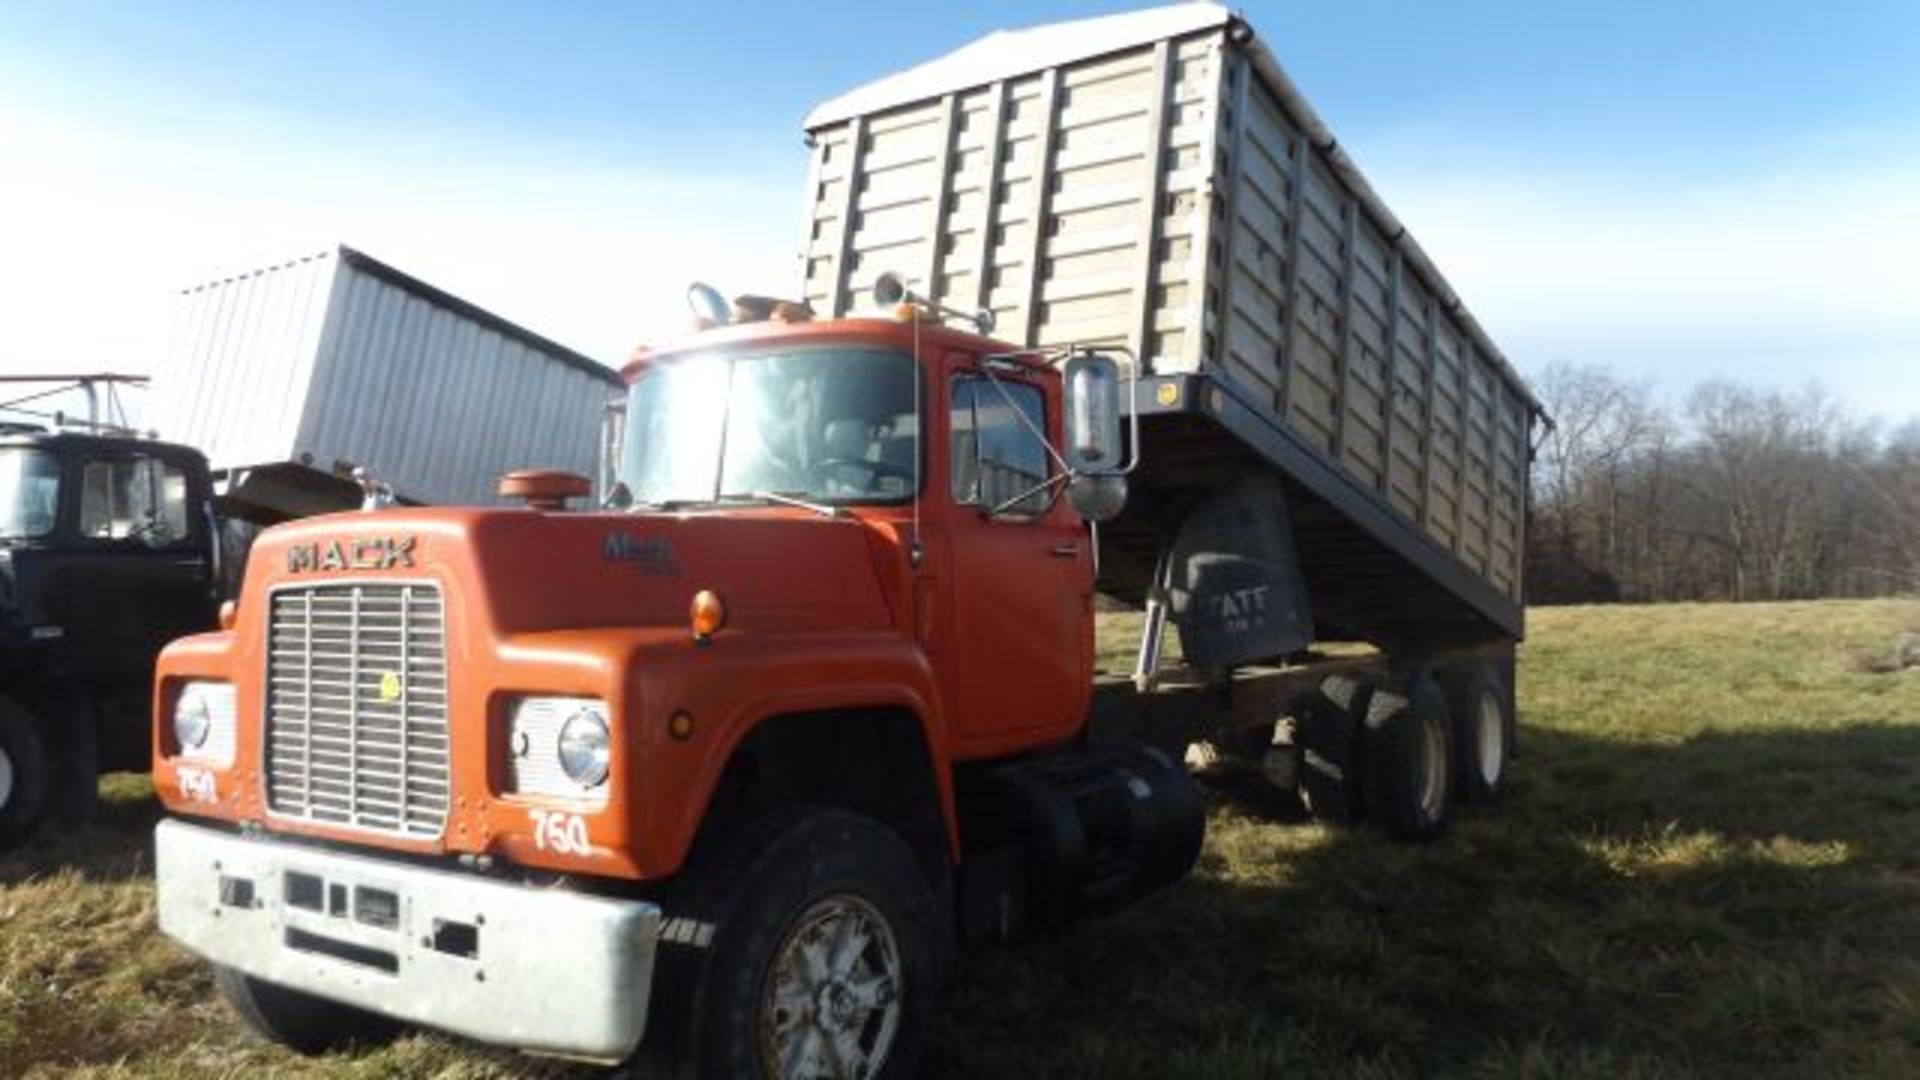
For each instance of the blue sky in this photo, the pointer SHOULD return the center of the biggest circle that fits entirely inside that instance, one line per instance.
(1674, 190)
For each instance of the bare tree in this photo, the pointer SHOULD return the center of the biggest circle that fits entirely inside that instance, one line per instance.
(1751, 494)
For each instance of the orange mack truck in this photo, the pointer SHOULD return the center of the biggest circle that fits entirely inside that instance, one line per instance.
(720, 775)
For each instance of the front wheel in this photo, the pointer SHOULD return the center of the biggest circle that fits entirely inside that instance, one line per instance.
(300, 1021)
(23, 775)
(823, 961)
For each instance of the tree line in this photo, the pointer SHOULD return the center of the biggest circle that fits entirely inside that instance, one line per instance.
(1738, 493)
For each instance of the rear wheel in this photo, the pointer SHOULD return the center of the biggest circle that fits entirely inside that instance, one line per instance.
(1329, 726)
(824, 956)
(300, 1021)
(1483, 730)
(23, 775)
(1409, 776)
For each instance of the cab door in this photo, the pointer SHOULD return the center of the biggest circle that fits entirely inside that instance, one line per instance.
(140, 566)
(1021, 578)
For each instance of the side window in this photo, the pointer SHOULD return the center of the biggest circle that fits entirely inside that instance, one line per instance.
(137, 498)
(998, 457)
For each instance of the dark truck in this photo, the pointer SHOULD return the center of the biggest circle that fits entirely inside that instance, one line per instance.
(106, 554)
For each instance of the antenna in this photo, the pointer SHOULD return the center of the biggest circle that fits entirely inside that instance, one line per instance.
(914, 551)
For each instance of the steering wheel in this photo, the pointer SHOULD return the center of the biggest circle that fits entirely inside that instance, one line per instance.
(874, 469)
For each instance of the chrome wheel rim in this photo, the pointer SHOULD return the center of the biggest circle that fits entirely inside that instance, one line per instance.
(6, 778)
(831, 1007)
(1491, 736)
(1433, 772)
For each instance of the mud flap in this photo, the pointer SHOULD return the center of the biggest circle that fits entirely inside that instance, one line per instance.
(1236, 591)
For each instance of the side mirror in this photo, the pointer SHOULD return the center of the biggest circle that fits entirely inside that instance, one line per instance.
(1093, 413)
(1098, 498)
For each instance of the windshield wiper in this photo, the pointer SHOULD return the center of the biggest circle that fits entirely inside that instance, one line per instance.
(785, 499)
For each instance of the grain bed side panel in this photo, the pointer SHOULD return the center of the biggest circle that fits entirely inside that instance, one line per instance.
(1065, 201)
(1166, 197)
(1328, 321)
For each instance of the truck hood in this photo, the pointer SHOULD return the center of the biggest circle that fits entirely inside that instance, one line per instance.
(525, 571)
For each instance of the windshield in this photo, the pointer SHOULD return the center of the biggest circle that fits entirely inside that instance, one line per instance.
(29, 492)
(831, 425)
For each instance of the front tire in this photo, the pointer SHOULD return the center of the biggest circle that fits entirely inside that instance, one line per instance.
(23, 776)
(824, 956)
(300, 1021)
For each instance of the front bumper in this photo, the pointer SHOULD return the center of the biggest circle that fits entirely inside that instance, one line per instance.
(542, 970)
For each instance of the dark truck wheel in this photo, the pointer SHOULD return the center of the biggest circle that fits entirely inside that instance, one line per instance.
(1480, 706)
(822, 961)
(299, 1021)
(1409, 774)
(1330, 722)
(23, 775)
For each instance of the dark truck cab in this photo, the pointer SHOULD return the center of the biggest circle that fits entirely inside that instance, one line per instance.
(107, 552)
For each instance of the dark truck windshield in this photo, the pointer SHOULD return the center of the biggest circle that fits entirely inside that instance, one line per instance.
(29, 492)
(831, 425)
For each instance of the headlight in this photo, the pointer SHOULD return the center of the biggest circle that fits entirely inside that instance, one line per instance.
(203, 721)
(583, 749)
(192, 720)
(558, 747)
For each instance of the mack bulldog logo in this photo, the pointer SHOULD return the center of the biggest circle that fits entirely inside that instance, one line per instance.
(652, 554)
(364, 553)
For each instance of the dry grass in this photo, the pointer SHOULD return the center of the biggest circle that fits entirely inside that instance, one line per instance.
(1709, 864)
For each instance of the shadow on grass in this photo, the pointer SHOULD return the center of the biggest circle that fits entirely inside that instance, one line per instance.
(1735, 904)
(1740, 903)
(115, 845)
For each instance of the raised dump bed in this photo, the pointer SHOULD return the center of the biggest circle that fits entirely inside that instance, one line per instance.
(1154, 181)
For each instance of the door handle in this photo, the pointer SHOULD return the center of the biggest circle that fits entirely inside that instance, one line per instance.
(1065, 551)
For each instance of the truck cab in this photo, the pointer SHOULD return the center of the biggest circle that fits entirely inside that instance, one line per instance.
(752, 750)
(106, 554)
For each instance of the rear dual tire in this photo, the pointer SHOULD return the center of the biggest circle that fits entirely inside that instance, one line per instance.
(1409, 783)
(1482, 706)
(1380, 750)
(1330, 721)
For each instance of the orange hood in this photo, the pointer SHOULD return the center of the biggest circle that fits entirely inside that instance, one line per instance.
(525, 571)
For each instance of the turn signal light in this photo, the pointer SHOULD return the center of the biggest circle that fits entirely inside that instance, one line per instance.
(707, 614)
(229, 612)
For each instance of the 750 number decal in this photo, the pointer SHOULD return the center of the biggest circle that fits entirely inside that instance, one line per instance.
(556, 830)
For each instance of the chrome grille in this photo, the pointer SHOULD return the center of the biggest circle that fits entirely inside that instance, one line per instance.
(357, 706)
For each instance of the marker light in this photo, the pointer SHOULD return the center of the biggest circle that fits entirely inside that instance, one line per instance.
(707, 614)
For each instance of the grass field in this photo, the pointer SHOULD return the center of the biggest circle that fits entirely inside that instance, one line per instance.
(1708, 863)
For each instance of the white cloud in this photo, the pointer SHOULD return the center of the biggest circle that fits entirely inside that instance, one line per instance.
(105, 222)
(1802, 272)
